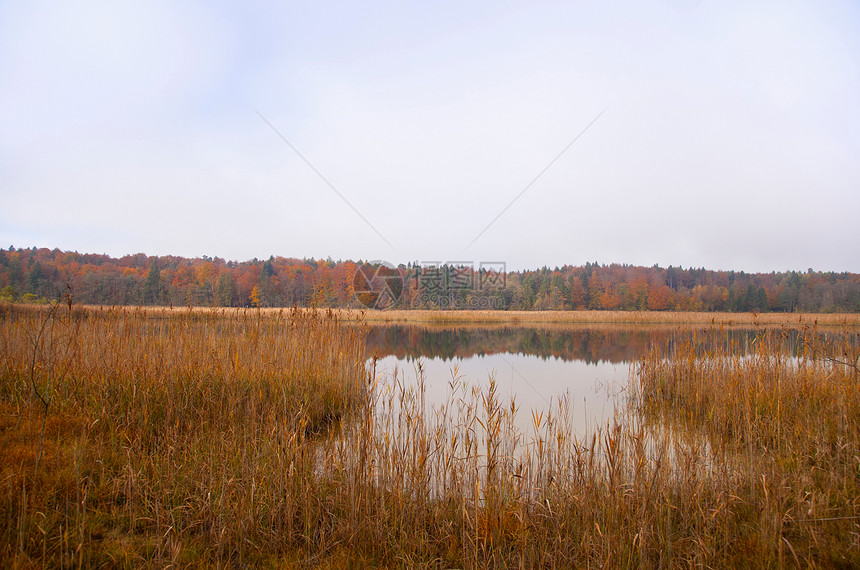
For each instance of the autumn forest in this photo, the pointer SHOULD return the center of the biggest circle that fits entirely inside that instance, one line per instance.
(43, 274)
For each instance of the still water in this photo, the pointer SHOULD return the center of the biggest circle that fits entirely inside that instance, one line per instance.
(589, 366)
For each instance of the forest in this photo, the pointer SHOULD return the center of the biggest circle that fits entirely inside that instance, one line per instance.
(41, 275)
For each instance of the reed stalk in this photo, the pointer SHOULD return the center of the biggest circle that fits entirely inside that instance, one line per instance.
(258, 438)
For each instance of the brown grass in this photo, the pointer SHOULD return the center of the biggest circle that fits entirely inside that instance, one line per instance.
(530, 318)
(170, 435)
(773, 441)
(604, 317)
(237, 438)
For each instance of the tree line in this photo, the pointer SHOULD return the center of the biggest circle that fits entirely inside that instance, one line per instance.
(41, 274)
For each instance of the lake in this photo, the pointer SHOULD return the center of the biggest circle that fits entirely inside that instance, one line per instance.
(589, 366)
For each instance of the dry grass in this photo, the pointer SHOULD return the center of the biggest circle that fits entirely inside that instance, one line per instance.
(170, 435)
(773, 439)
(233, 438)
(603, 317)
(547, 318)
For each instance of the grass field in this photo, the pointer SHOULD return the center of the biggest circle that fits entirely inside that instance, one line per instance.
(150, 437)
(602, 317)
(531, 318)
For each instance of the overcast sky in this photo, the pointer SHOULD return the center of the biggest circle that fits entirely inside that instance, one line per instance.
(729, 136)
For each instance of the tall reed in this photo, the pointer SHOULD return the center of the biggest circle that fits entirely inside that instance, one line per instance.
(256, 438)
(777, 432)
(170, 436)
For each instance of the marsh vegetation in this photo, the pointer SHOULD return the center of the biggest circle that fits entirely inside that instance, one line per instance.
(136, 437)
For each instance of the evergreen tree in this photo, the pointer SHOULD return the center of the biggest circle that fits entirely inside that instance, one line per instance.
(152, 286)
(225, 292)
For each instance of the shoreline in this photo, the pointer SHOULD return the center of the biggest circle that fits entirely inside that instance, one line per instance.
(604, 317)
(465, 317)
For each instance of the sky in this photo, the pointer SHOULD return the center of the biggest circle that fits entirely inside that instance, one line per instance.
(723, 135)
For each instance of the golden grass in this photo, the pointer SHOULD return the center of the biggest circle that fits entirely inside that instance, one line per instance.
(237, 438)
(776, 436)
(530, 318)
(170, 435)
(603, 317)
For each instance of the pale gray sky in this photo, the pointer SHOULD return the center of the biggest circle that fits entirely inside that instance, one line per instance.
(730, 138)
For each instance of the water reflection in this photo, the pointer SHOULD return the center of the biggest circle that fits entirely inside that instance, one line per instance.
(588, 365)
(532, 383)
(592, 345)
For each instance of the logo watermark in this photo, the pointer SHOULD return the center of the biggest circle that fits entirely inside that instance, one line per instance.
(378, 285)
(453, 302)
(431, 284)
